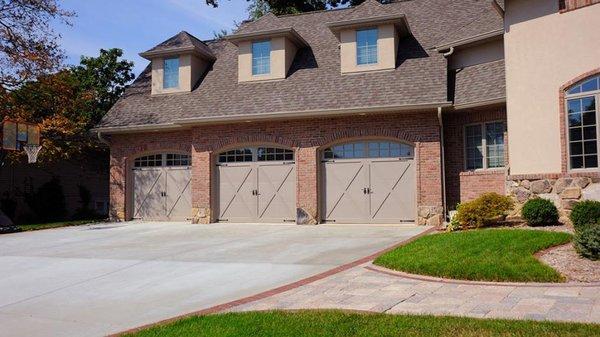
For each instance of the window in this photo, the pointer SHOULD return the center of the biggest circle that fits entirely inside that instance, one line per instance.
(366, 46)
(256, 154)
(582, 124)
(261, 58)
(484, 146)
(163, 159)
(370, 149)
(171, 73)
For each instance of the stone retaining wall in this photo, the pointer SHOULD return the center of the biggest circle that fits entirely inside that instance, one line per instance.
(563, 192)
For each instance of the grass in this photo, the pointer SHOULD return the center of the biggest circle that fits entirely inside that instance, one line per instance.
(345, 324)
(36, 227)
(501, 255)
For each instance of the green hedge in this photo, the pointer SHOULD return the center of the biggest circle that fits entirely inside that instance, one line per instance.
(540, 212)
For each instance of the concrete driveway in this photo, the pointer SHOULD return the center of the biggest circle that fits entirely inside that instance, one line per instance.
(101, 279)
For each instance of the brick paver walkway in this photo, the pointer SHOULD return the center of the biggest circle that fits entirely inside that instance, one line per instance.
(370, 288)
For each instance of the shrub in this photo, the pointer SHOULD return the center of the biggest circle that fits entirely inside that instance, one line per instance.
(540, 212)
(587, 241)
(48, 202)
(486, 210)
(585, 213)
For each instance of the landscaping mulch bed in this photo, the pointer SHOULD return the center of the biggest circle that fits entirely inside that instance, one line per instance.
(567, 262)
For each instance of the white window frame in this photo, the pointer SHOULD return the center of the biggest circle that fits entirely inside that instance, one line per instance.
(376, 29)
(262, 57)
(596, 95)
(165, 72)
(484, 167)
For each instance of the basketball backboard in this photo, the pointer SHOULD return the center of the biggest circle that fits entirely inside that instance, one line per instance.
(17, 134)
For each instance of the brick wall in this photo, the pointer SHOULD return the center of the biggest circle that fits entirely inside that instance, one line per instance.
(569, 5)
(463, 185)
(308, 136)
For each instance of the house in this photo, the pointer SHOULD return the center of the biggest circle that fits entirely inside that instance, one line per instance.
(380, 113)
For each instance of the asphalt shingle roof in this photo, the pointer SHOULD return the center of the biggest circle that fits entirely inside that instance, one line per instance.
(314, 81)
(479, 83)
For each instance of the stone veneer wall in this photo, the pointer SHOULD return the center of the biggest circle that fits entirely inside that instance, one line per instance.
(564, 192)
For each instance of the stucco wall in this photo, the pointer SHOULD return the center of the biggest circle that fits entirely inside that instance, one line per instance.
(543, 50)
(386, 50)
(481, 53)
(282, 55)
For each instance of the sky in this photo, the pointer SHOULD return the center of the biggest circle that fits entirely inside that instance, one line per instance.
(138, 25)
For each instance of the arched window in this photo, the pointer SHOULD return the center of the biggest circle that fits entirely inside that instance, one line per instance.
(163, 159)
(261, 153)
(582, 123)
(369, 149)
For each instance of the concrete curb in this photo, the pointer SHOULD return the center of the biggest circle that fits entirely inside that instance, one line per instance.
(229, 305)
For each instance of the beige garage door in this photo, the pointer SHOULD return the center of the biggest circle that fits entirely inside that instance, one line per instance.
(257, 184)
(369, 182)
(162, 187)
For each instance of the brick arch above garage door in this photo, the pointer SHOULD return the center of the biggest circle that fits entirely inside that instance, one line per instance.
(343, 136)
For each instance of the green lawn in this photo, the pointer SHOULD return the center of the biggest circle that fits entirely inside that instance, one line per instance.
(486, 254)
(344, 324)
(35, 227)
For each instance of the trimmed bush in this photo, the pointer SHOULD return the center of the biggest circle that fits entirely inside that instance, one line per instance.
(540, 212)
(488, 209)
(587, 241)
(585, 213)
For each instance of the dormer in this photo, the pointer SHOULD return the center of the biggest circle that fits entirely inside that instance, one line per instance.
(266, 55)
(369, 43)
(178, 63)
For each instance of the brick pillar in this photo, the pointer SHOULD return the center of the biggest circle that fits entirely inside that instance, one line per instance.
(307, 191)
(117, 188)
(429, 184)
(202, 167)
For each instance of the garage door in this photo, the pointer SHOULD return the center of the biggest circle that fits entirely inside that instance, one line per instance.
(257, 184)
(162, 187)
(369, 182)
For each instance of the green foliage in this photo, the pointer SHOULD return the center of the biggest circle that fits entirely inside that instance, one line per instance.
(85, 212)
(486, 210)
(259, 8)
(585, 213)
(587, 241)
(68, 103)
(335, 323)
(503, 255)
(48, 201)
(540, 212)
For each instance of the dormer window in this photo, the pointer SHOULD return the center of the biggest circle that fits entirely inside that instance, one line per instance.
(266, 55)
(171, 73)
(366, 46)
(261, 58)
(369, 43)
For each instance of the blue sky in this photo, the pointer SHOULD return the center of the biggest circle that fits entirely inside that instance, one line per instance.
(138, 25)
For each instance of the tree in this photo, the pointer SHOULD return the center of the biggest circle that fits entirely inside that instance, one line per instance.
(28, 45)
(280, 7)
(69, 102)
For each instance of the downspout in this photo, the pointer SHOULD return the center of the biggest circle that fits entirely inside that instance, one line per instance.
(102, 139)
(443, 161)
(450, 52)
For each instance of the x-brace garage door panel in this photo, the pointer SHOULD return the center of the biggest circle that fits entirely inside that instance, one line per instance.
(148, 201)
(344, 197)
(392, 191)
(237, 201)
(257, 192)
(276, 192)
(369, 190)
(178, 193)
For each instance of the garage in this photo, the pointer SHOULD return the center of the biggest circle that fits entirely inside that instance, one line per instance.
(162, 187)
(256, 184)
(369, 182)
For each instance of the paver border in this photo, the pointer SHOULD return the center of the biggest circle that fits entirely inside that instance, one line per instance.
(390, 272)
(268, 293)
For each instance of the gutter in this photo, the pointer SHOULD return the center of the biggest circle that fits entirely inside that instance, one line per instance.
(480, 103)
(102, 139)
(472, 39)
(188, 122)
(498, 8)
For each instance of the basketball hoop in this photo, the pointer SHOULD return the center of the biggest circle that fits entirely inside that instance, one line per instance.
(32, 151)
